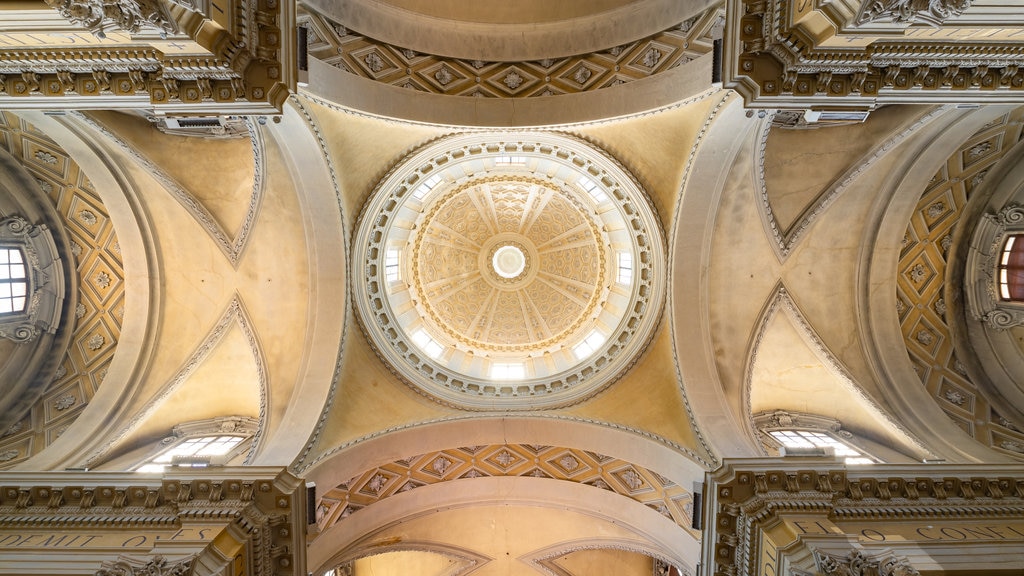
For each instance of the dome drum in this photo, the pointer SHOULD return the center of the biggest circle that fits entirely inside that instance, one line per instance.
(500, 270)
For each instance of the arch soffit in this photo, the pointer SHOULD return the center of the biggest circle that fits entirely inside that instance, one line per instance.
(998, 355)
(720, 141)
(119, 192)
(390, 445)
(309, 164)
(876, 300)
(655, 534)
(544, 38)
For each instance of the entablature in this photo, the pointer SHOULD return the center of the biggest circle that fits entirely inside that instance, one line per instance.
(851, 56)
(184, 57)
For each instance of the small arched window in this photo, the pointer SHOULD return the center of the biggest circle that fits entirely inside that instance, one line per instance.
(202, 443)
(13, 281)
(1011, 269)
(785, 432)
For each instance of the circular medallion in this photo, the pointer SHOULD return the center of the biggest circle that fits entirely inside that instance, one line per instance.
(509, 271)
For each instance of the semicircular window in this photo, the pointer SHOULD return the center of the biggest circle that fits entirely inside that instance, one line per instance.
(1011, 269)
(13, 281)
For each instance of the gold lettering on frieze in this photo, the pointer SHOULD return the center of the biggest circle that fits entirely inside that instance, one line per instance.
(121, 540)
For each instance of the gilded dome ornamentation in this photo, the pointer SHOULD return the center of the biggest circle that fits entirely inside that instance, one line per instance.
(509, 270)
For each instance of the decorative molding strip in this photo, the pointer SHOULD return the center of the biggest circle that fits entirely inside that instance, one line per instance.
(235, 314)
(469, 559)
(232, 248)
(356, 54)
(543, 561)
(244, 65)
(257, 512)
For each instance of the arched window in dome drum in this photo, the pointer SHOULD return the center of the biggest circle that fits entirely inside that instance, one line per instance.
(1011, 269)
(13, 281)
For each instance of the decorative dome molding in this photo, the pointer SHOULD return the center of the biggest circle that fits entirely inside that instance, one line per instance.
(437, 308)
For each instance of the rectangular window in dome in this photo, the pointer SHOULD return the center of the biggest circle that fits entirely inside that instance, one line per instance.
(420, 191)
(595, 192)
(625, 268)
(392, 258)
(508, 371)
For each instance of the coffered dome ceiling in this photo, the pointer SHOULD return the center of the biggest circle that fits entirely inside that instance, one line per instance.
(509, 270)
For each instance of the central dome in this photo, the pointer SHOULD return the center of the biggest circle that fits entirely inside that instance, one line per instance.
(508, 270)
(506, 264)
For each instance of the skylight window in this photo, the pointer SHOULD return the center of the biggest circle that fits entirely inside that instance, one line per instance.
(508, 371)
(595, 192)
(510, 161)
(392, 258)
(13, 281)
(625, 268)
(420, 191)
(193, 452)
(808, 439)
(427, 344)
(592, 342)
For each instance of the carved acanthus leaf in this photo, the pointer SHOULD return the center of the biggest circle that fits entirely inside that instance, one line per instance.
(127, 15)
(858, 564)
(157, 566)
(933, 12)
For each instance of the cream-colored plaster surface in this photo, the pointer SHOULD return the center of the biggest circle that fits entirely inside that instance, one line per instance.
(225, 384)
(651, 145)
(370, 397)
(648, 397)
(788, 373)
(363, 149)
(507, 534)
(499, 12)
(800, 165)
(605, 561)
(408, 562)
(199, 284)
(218, 173)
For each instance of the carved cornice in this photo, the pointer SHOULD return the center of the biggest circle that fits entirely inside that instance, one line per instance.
(261, 509)
(746, 496)
(776, 64)
(241, 65)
